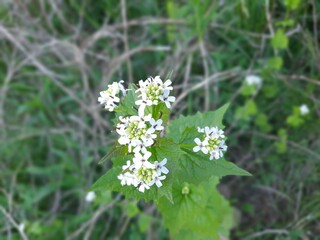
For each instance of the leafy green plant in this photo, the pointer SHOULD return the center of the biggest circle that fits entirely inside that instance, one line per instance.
(167, 161)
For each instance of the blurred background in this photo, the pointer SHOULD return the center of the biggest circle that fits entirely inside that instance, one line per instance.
(57, 55)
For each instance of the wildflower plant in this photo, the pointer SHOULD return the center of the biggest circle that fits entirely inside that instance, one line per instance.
(176, 163)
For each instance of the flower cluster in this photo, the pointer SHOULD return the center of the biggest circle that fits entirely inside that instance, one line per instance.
(139, 132)
(213, 142)
(110, 97)
(143, 174)
(152, 91)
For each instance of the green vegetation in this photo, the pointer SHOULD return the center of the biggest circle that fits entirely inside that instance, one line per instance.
(260, 56)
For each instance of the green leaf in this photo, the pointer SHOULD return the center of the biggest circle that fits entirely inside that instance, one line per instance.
(262, 122)
(275, 63)
(110, 181)
(127, 104)
(165, 148)
(248, 90)
(280, 40)
(115, 151)
(292, 4)
(131, 209)
(199, 212)
(212, 118)
(144, 221)
(281, 145)
(250, 108)
(197, 167)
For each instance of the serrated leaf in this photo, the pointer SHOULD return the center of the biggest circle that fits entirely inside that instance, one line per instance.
(211, 118)
(197, 167)
(110, 181)
(115, 151)
(200, 213)
(167, 149)
(127, 104)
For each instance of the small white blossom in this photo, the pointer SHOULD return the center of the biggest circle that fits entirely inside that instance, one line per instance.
(143, 103)
(124, 167)
(160, 167)
(90, 196)
(111, 97)
(122, 89)
(213, 143)
(156, 179)
(148, 139)
(139, 146)
(21, 227)
(155, 125)
(200, 146)
(167, 99)
(304, 110)
(143, 187)
(200, 130)
(254, 80)
(142, 119)
(152, 91)
(142, 160)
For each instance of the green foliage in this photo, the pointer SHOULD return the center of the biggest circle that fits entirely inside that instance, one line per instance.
(212, 118)
(292, 4)
(261, 121)
(54, 60)
(199, 212)
(280, 40)
(281, 144)
(184, 193)
(295, 119)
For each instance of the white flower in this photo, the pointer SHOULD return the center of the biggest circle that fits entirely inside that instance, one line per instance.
(143, 186)
(142, 119)
(123, 179)
(213, 143)
(152, 90)
(142, 160)
(304, 110)
(200, 146)
(200, 130)
(131, 179)
(165, 85)
(167, 99)
(214, 132)
(148, 139)
(21, 227)
(110, 97)
(124, 140)
(157, 180)
(142, 103)
(160, 168)
(214, 154)
(155, 125)
(90, 196)
(122, 89)
(254, 80)
(128, 165)
(139, 146)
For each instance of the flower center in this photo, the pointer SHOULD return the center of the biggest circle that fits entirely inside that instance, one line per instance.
(153, 92)
(145, 174)
(213, 143)
(134, 131)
